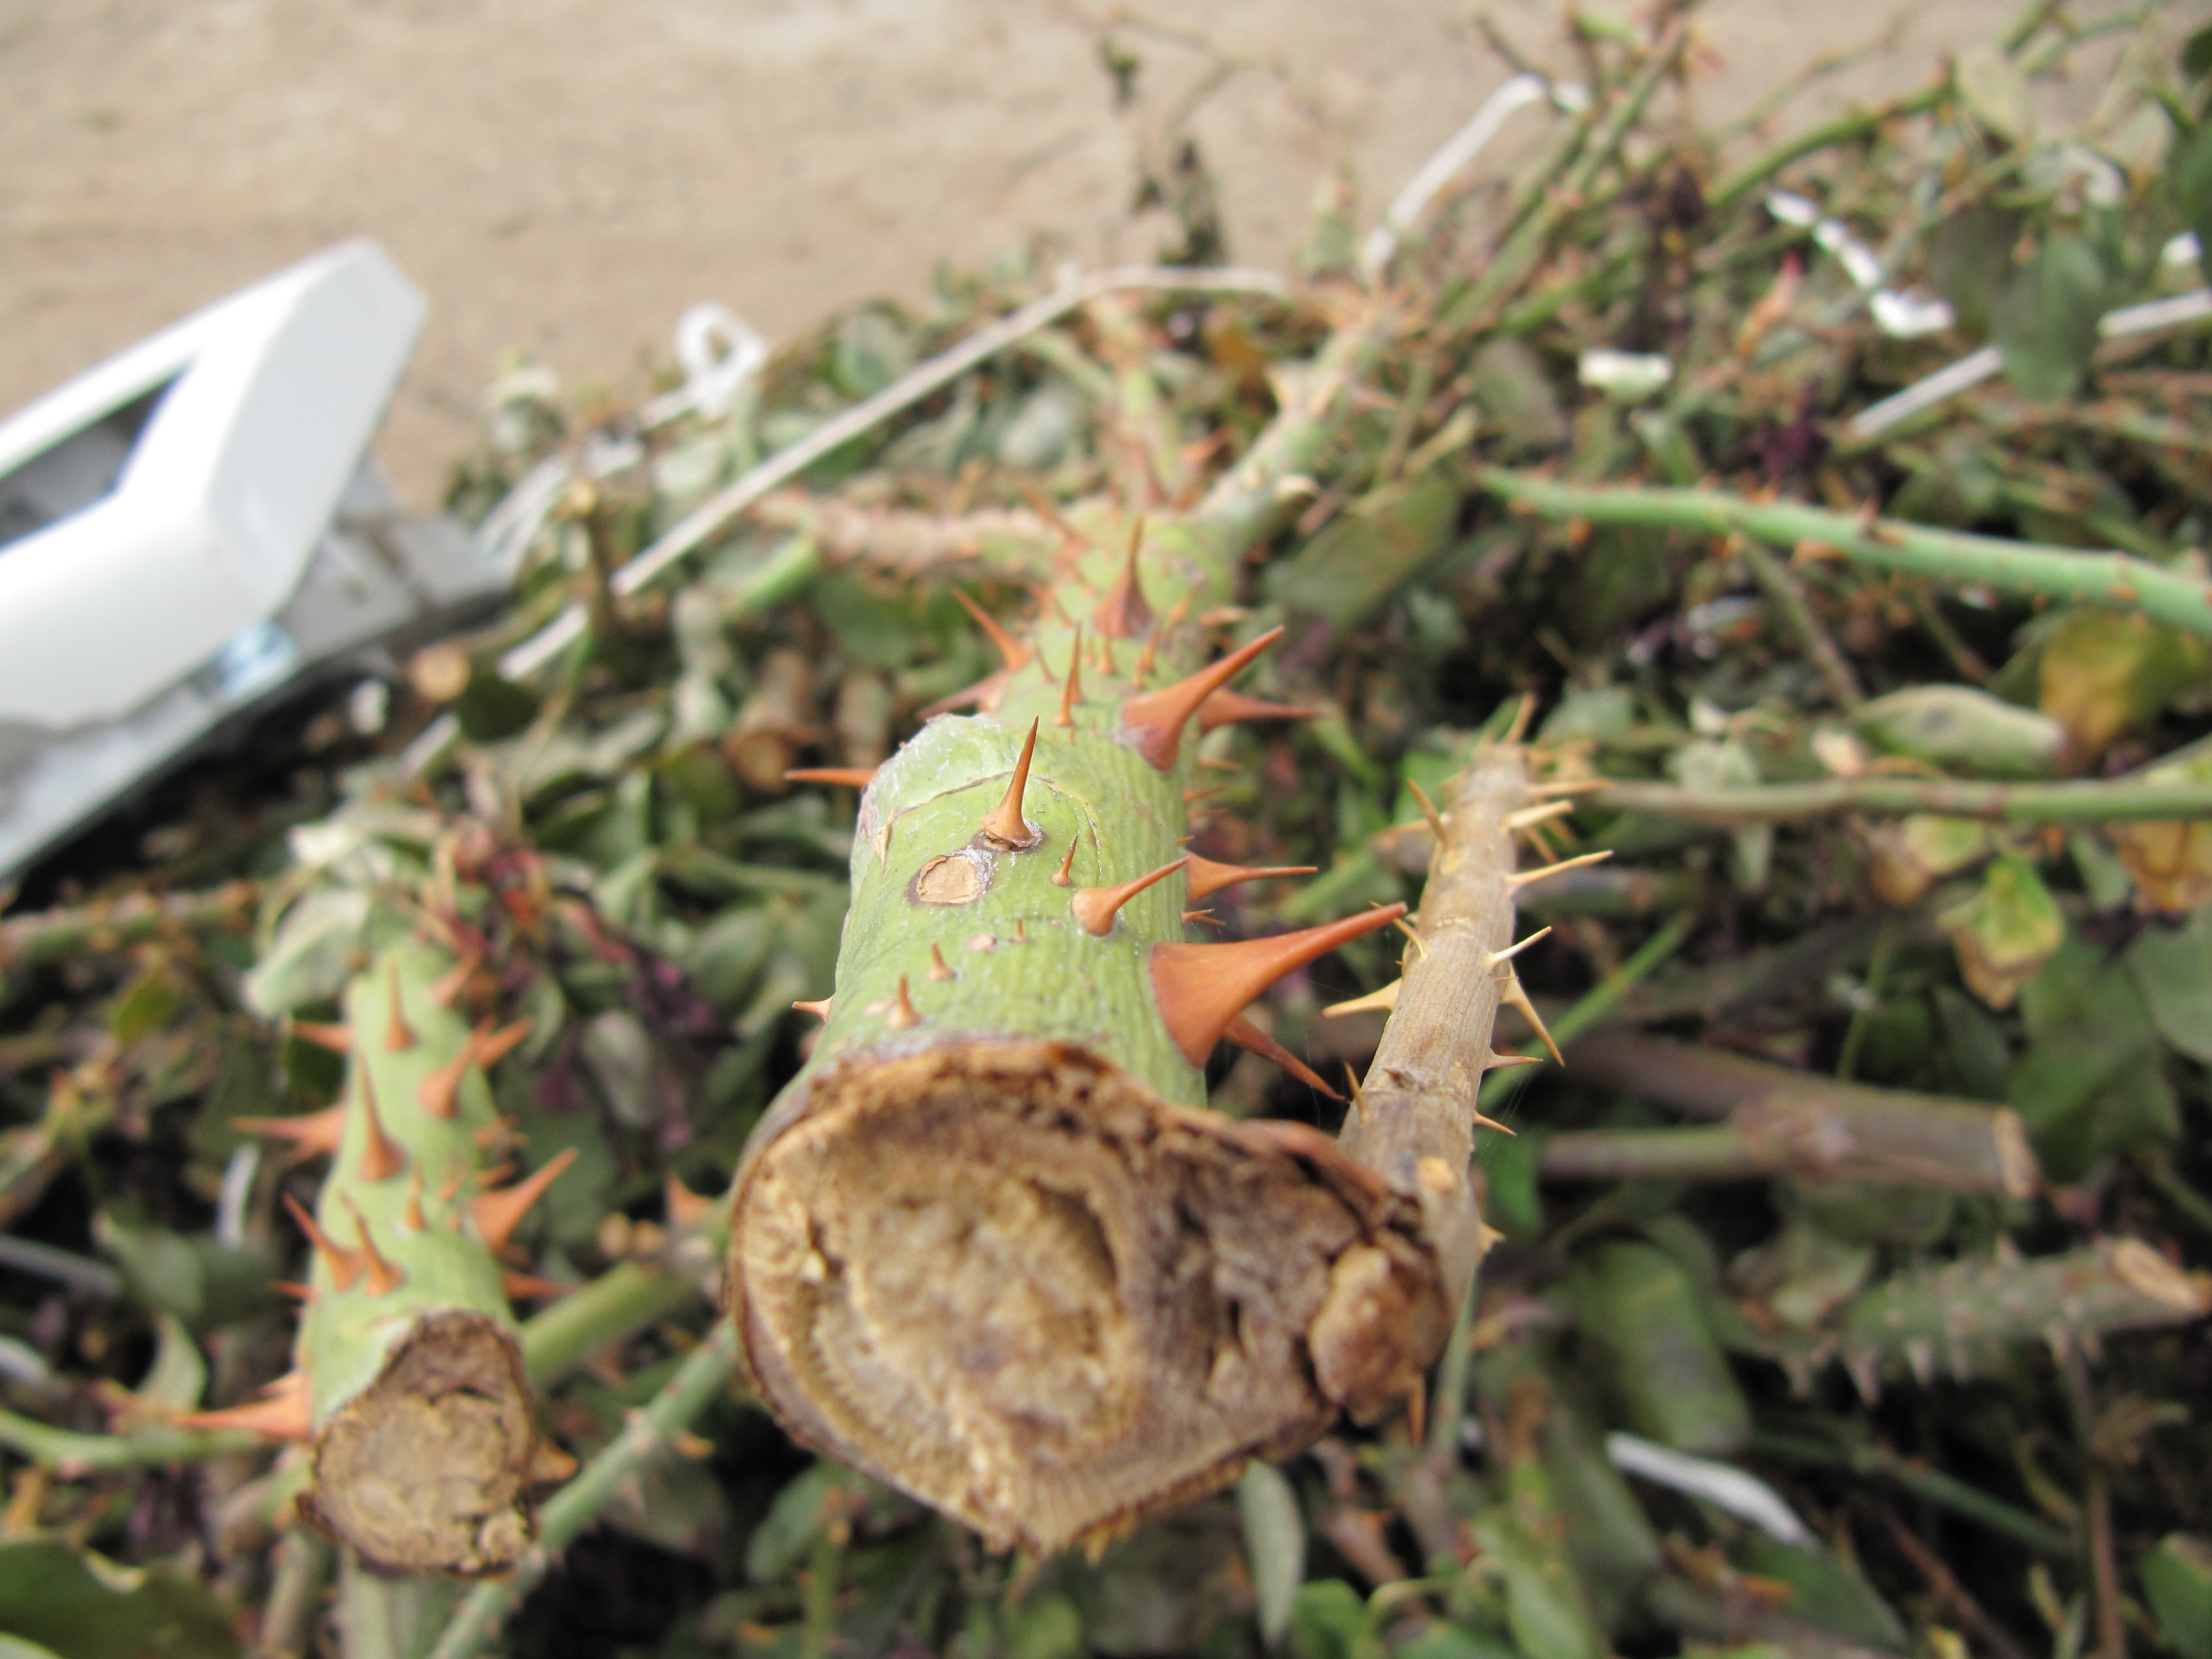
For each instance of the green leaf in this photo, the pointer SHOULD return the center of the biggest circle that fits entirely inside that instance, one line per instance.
(79, 1605)
(2177, 1576)
(2046, 320)
(2192, 186)
(1274, 1545)
(1641, 1319)
(1330, 1620)
(1370, 550)
(2173, 970)
(1830, 1596)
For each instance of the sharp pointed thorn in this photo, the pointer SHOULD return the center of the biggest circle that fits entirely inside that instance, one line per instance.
(1011, 651)
(1529, 816)
(1153, 720)
(439, 1093)
(379, 1276)
(1245, 1035)
(1513, 951)
(1507, 1062)
(492, 1047)
(1143, 667)
(1095, 908)
(1358, 1094)
(1064, 876)
(939, 969)
(1207, 877)
(398, 1035)
(985, 693)
(1227, 707)
(1494, 1125)
(1123, 614)
(1071, 692)
(1521, 879)
(292, 1289)
(447, 991)
(312, 1133)
(685, 1207)
(1200, 916)
(1515, 997)
(548, 1464)
(282, 1412)
(382, 1158)
(343, 1265)
(853, 777)
(819, 1009)
(338, 1039)
(410, 1218)
(1374, 1002)
(1428, 810)
(902, 1017)
(1522, 716)
(528, 1287)
(1199, 988)
(1004, 826)
(498, 1214)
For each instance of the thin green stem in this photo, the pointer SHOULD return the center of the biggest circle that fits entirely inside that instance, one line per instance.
(2113, 579)
(1946, 1491)
(2110, 800)
(703, 1375)
(1526, 246)
(72, 1454)
(617, 1304)
(1787, 593)
(1843, 130)
(1868, 1001)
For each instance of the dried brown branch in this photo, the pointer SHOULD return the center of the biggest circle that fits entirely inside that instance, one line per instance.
(1414, 1125)
(1783, 1123)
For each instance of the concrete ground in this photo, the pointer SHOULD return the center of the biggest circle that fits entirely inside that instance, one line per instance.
(566, 176)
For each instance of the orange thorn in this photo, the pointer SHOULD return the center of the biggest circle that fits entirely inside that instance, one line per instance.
(1070, 692)
(382, 1158)
(1064, 876)
(1106, 656)
(1494, 1125)
(820, 1010)
(1123, 614)
(379, 1277)
(338, 1039)
(1144, 659)
(1374, 1002)
(985, 693)
(293, 1289)
(1227, 707)
(853, 777)
(1201, 988)
(527, 1287)
(490, 1047)
(684, 1206)
(1004, 825)
(939, 967)
(344, 1265)
(1014, 653)
(1358, 1094)
(1095, 907)
(311, 1134)
(1199, 916)
(439, 1094)
(1021, 930)
(282, 1412)
(902, 1017)
(448, 990)
(1245, 1035)
(498, 1214)
(1213, 765)
(1155, 720)
(450, 1188)
(1192, 797)
(396, 1036)
(1207, 877)
(411, 1216)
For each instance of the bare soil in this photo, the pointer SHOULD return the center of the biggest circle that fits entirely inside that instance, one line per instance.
(565, 177)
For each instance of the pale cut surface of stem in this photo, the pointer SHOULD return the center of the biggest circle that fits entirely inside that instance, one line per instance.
(1414, 1125)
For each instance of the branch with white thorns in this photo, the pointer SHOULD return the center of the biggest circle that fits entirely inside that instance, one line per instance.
(1417, 1127)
